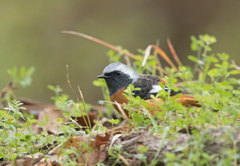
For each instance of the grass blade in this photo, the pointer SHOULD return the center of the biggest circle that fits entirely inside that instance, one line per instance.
(165, 57)
(158, 60)
(163, 139)
(174, 54)
(147, 53)
(104, 43)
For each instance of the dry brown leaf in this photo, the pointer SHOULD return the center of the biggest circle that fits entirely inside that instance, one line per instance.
(5, 89)
(97, 143)
(54, 114)
(122, 129)
(101, 140)
(92, 117)
(19, 162)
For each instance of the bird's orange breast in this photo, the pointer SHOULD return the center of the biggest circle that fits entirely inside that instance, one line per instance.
(120, 98)
(185, 100)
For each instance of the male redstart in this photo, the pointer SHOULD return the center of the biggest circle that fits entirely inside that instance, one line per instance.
(119, 76)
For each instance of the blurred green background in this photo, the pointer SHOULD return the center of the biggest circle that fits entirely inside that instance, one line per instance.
(30, 35)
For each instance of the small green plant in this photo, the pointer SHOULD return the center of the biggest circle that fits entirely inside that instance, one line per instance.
(141, 156)
(115, 152)
(22, 77)
(212, 80)
(113, 121)
(209, 80)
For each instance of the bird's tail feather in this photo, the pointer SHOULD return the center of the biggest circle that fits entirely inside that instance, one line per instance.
(186, 100)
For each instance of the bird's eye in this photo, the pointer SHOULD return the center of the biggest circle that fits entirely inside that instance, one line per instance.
(118, 73)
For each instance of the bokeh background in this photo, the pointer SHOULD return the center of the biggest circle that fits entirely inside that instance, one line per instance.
(30, 35)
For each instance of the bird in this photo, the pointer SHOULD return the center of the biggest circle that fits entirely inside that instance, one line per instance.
(119, 76)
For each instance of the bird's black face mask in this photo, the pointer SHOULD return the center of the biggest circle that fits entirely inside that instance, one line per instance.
(116, 80)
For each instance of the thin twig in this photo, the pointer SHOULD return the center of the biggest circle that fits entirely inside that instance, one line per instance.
(84, 106)
(123, 114)
(40, 158)
(130, 55)
(127, 59)
(76, 123)
(76, 97)
(123, 159)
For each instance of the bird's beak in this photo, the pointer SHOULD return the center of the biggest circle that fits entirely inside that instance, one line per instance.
(101, 76)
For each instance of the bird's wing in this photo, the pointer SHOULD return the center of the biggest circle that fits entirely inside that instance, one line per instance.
(150, 86)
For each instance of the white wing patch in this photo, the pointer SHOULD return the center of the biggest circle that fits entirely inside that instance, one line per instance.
(156, 89)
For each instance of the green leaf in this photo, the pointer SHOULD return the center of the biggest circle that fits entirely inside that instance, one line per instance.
(29, 122)
(42, 124)
(225, 63)
(206, 38)
(234, 72)
(131, 87)
(152, 96)
(13, 156)
(212, 40)
(184, 84)
(165, 132)
(33, 121)
(60, 120)
(193, 38)
(170, 156)
(114, 121)
(194, 46)
(173, 81)
(154, 123)
(4, 135)
(46, 118)
(214, 72)
(218, 65)
(142, 149)
(51, 87)
(223, 56)
(50, 139)
(194, 59)
(212, 59)
(177, 96)
(201, 43)
(228, 94)
(224, 83)
(207, 87)
(162, 85)
(28, 137)
(22, 71)
(30, 71)
(209, 49)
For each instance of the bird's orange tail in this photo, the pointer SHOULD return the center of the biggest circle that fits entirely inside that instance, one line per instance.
(186, 100)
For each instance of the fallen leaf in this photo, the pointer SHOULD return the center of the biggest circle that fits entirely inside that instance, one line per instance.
(19, 162)
(92, 117)
(53, 114)
(95, 142)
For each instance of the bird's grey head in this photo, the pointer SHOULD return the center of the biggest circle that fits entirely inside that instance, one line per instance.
(118, 76)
